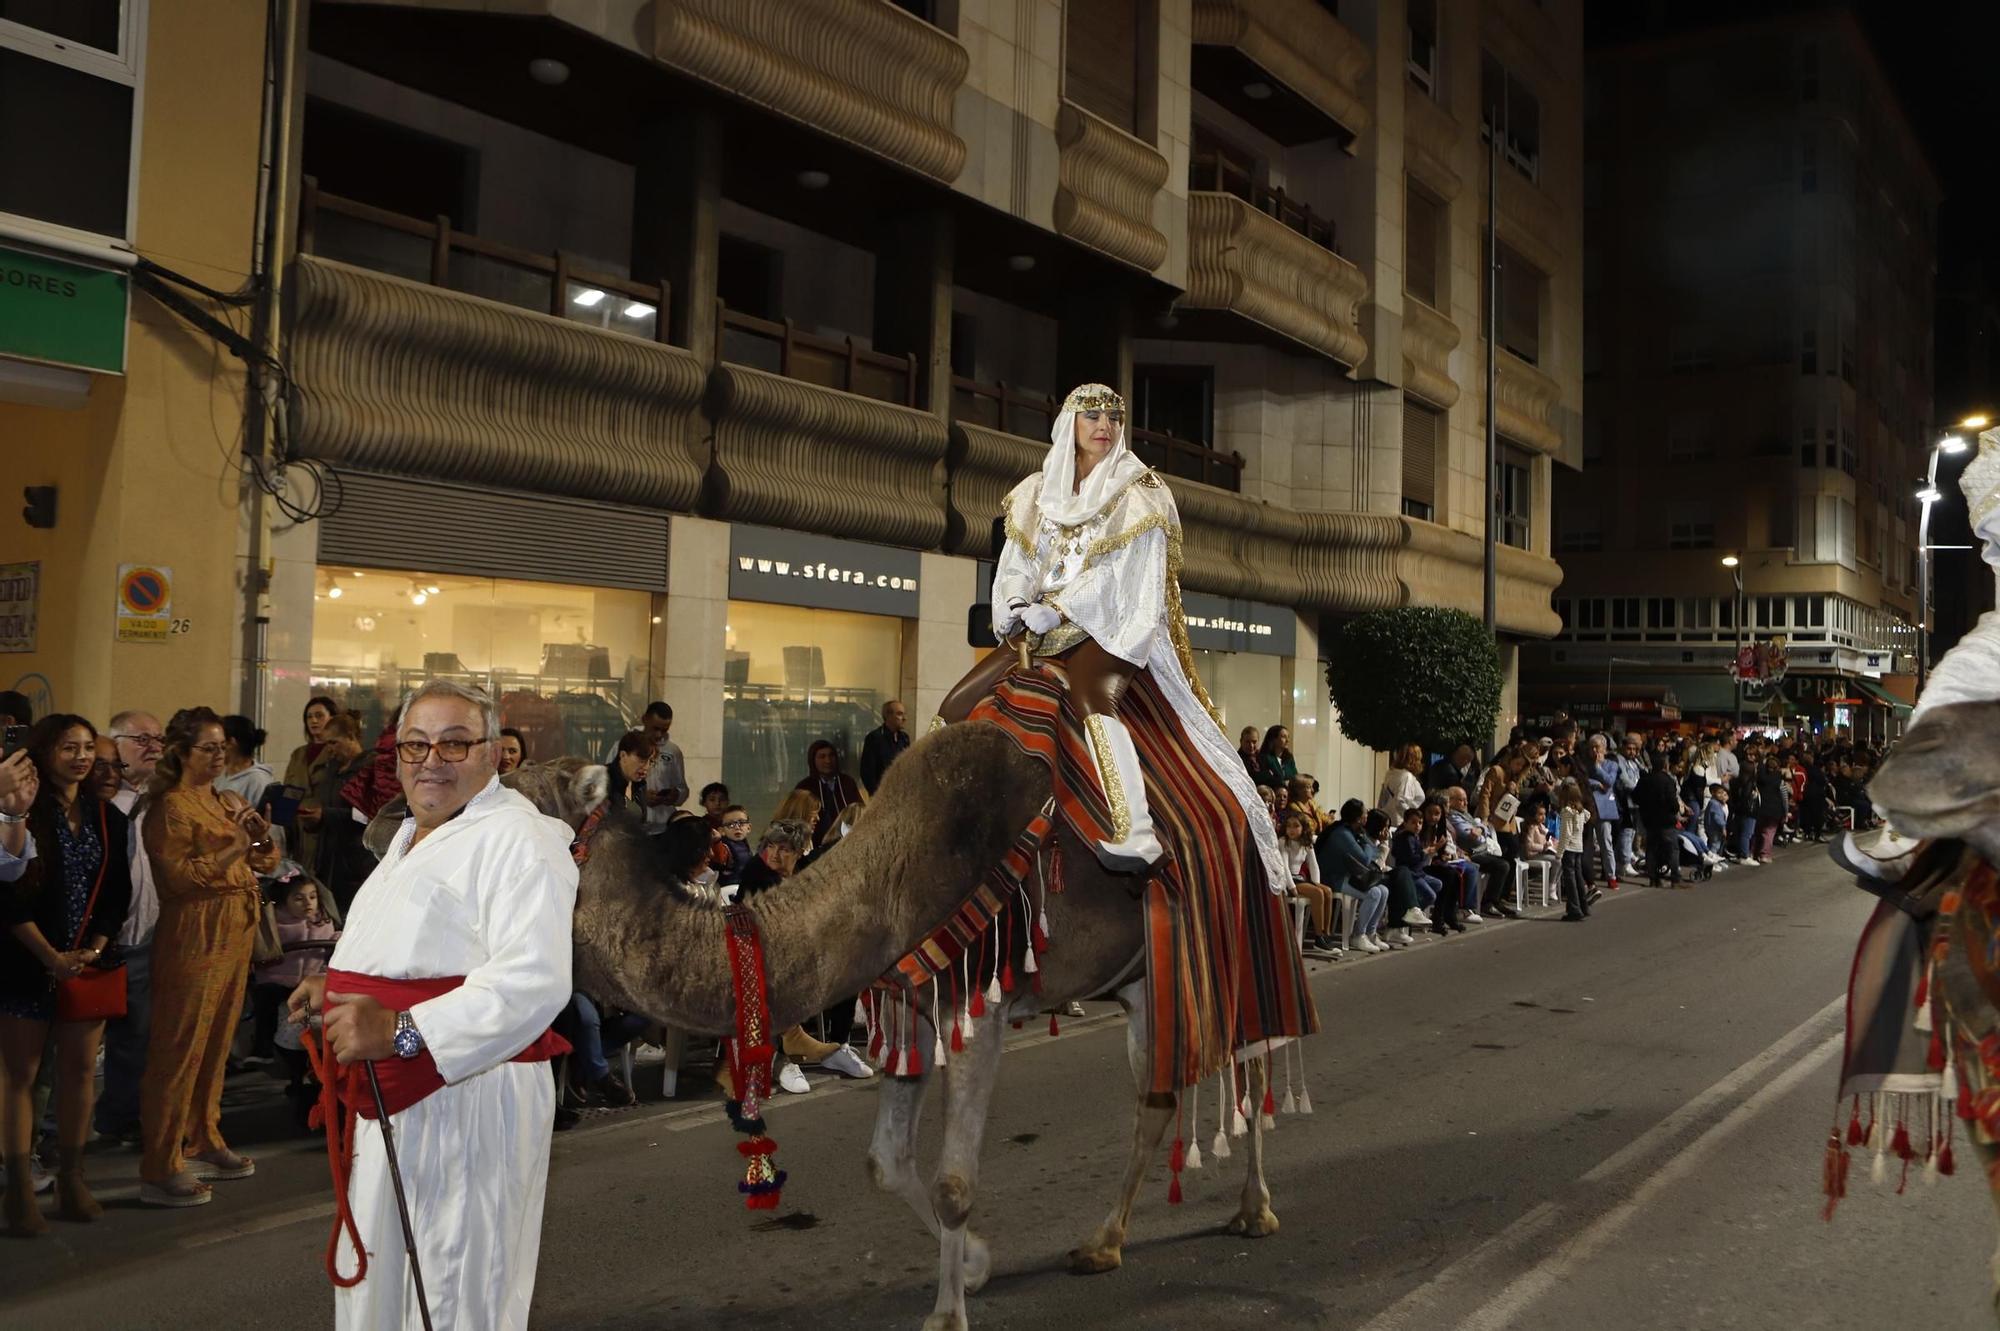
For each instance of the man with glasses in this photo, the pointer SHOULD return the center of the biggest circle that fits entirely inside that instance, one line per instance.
(139, 740)
(455, 959)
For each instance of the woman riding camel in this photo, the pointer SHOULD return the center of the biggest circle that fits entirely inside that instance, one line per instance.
(1091, 574)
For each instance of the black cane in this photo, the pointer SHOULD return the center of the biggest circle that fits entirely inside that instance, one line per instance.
(402, 1202)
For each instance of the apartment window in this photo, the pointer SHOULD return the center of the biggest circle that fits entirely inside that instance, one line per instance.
(1847, 456)
(1691, 533)
(1423, 428)
(1808, 165)
(1624, 617)
(1513, 499)
(1767, 612)
(1580, 536)
(1561, 607)
(1101, 59)
(1521, 286)
(69, 98)
(1590, 614)
(1809, 351)
(1422, 65)
(1175, 399)
(1505, 101)
(1697, 614)
(1423, 234)
(1660, 612)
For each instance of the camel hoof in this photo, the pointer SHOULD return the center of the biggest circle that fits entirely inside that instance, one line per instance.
(1259, 1226)
(945, 1322)
(1094, 1261)
(977, 1263)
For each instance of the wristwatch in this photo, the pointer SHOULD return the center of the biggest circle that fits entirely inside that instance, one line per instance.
(409, 1040)
(12, 819)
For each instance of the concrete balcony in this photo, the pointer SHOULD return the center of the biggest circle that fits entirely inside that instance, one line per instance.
(862, 71)
(397, 376)
(1106, 182)
(1530, 222)
(1243, 260)
(983, 464)
(1527, 404)
(1311, 57)
(1441, 566)
(789, 453)
(1428, 341)
(1430, 143)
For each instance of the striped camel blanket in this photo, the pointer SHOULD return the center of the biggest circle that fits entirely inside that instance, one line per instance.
(1223, 966)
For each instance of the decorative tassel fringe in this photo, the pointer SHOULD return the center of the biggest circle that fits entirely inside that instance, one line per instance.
(1855, 1136)
(1219, 1148)
(1042, 932)
(1194, 1155)
(1900, 1143)
(1194, 1117)
(1177, 1156)
(1833, 1173)
(1174, 1191)
(957, 1037)
(1878, 1169)
(1237, 1124)
(1305, 1101)
(979, 1003)
(1028, 962)
(1006, 980)
(1945, 1164)
(1054, 1030)
(1270, 1105)
(1904, 1181)
(1934, 1055)
(937, 1052)
(1288, 1105)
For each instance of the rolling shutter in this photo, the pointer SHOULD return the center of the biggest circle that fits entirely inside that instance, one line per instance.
(437, 527)
(1101, 59)
(1421, 427)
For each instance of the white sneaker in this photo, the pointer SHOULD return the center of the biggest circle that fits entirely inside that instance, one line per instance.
(793, 1080)
(847, 1063)
(1416, 915)
(1474, 917)
(1074, 1009)
(1401, 937)
(648, 1055)
(1366, 944)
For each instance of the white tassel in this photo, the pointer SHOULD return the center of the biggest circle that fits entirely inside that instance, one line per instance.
(937, 1030)
(993, 989)
(1288, 1105)
(1237, 1125)
(1879, 1170)
(1305, 1101)
(1219, 1148)
(1948, 1087)
(965, 1026)
(1194, 1155)
(1028, 962)
(1266, 1122)
(1043, 920)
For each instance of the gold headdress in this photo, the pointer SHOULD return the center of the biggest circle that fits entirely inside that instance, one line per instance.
(1093, 397)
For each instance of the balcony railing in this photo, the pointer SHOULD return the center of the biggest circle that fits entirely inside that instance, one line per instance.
(1226, 175)
(436, 253)
(1188, 460)
(1003, 407)
(778, 347)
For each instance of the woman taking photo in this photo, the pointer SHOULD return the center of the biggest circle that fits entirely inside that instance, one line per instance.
(66, 902)
(206, 848)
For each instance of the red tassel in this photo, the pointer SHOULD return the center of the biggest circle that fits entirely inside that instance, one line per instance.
(1007, 978)
(978, 1002)
(1923, 993)
(1904, 1181)
(913, 1062)
(1934, 1057)
(1174, 1191)
(1053, 1028)
(1177, 1156)
(957, 1038)
(1900, 1143)
(1964, 1100)
(1270, 1105)
(1854, 1134)
(1035, 982)
(1040, 939)
(1946, 1165)
(1833, 1174)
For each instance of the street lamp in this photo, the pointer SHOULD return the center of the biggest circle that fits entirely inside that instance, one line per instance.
(1927, 497)
(1735, 567)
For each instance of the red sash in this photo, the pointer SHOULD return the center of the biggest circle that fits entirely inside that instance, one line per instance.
(405, 1081)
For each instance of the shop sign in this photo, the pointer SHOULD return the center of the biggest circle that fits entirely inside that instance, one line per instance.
(20, 589)
(1220, 624)
(145, 602)
(62, 313)
(794, 568)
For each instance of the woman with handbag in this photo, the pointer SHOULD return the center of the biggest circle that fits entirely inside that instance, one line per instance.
(66, 904)
(206, 847)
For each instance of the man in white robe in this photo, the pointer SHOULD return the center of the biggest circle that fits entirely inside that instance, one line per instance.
(478, 884)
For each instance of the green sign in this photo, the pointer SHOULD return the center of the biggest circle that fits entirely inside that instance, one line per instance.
(62, 313)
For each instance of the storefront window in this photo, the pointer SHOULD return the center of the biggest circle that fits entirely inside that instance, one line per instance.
(1245, 687)
(792, 676)
(568, 664)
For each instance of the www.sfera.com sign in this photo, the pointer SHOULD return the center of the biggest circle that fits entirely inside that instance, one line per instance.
(792, 568)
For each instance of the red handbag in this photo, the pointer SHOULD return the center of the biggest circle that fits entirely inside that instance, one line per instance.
(99, 992)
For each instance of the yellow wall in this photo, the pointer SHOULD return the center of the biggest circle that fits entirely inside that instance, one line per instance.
(146, 467)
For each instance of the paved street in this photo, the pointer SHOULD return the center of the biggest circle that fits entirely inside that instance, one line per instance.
(1615, 1124)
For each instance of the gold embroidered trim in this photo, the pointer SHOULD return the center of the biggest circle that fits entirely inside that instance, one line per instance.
(1177, 625)
(1093, 397)
(1022, 541)
(1059, 639)
(1105, 545)
(1107, 771)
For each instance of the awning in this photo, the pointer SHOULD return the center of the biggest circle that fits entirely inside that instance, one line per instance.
(1707, 695)
(1869, 689)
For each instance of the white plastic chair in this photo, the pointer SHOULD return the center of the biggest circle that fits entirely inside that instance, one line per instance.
(1543, 871)
(675, 1043)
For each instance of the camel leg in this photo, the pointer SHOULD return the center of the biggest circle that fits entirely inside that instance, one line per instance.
(964, 1261)
(1103, 1251)
(892, 1155)
(1254, 1218)
(1989, 1159)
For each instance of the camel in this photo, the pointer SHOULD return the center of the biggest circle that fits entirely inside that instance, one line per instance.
(947, 811)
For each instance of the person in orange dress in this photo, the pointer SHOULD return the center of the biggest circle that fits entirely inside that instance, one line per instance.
(206, 847)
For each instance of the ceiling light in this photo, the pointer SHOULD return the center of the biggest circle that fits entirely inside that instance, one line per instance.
(1730, 561)
(638, 310)
(1021, 263)
(432, 590)
(1952, 443)
(1257, 92)
(656, 619)
(334, 591)
(359, 574)
(549, 73)
(813, 179)
(418, 598)
(1928, 495)
(588, 298)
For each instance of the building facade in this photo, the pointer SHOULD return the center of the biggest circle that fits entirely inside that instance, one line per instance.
(1758, 383)
(686, 349)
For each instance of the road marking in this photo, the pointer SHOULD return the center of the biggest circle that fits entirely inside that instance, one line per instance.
(297, 1215)
(1491, 1262)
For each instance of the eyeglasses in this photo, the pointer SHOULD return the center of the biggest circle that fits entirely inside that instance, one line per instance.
(144, 741)
(416, 752)
(736, 822)
(210, 749)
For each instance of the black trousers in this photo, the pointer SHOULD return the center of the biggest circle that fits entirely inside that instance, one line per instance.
(1499, 876)
(1663, 846)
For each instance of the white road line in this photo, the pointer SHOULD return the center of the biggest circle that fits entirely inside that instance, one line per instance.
(295, 1216)
(1490, 1262)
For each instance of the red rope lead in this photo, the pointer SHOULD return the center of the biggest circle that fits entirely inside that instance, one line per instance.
(338, 1120)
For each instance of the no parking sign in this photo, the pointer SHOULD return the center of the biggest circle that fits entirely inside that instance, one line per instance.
(145, 602)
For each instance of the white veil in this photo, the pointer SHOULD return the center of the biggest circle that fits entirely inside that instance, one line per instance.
(1062, 500)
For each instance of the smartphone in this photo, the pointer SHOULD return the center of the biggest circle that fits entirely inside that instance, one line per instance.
(11, 740)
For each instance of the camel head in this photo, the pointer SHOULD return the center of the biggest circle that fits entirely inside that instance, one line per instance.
(1943, 779)
(947, 811)
(565, 788)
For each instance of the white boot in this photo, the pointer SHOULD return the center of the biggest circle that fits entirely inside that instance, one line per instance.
(1134, 848)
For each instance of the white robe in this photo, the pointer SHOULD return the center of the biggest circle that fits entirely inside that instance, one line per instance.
(489, 896)
(1110, 576)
